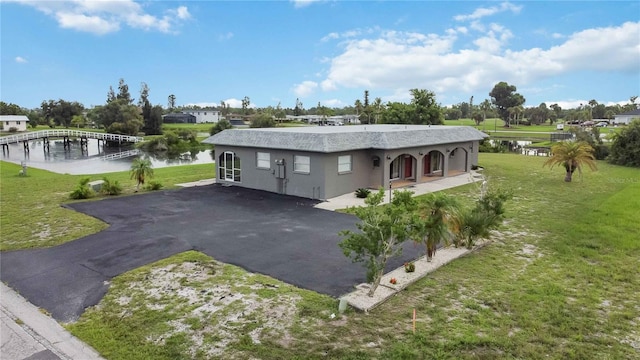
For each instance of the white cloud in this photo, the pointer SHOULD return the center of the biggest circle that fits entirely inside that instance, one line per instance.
(20, 60)
(224, 37)
(396, 61)
(557, 36)
(107, 16)
(479, 13)
(305, 88)
(303, 3)
(333, 103)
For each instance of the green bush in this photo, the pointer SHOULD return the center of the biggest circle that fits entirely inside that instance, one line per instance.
(13, 129)
(362, 193)
(153, 185)
(111, 187)
(82, 190)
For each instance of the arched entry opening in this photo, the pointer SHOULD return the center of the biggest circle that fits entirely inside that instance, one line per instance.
(229, 167)
(457, 161)
(403, 167)
(433, 164)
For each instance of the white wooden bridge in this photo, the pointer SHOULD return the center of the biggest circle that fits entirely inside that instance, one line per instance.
(45, 134)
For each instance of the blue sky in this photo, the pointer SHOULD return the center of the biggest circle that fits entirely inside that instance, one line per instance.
(565, 52)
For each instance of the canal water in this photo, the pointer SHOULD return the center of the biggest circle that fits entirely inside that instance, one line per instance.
(94, 159)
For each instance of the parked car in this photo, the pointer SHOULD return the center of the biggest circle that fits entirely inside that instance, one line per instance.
(602, 124)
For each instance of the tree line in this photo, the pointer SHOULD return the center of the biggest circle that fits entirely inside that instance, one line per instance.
(119, 114)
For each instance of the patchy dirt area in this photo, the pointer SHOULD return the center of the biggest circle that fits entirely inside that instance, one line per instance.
(212, 304)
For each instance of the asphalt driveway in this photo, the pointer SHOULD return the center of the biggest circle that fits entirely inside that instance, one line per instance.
(280, 236)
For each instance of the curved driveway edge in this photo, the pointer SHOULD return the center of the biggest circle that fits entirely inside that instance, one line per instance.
(281, 236)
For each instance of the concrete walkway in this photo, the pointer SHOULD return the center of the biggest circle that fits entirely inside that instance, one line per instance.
(27, 333)
(350, 199)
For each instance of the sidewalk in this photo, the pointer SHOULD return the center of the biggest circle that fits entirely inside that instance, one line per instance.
(26, 333)
(350, 199)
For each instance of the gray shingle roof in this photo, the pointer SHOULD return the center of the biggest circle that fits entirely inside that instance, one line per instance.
(14, 118)
(328, 139)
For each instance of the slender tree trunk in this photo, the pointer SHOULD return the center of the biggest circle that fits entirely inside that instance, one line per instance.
(375, 283)
(567, 177)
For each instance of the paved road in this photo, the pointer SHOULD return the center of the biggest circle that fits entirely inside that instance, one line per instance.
(281, 236)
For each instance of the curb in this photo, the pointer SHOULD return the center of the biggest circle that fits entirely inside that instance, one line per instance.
(42, 329)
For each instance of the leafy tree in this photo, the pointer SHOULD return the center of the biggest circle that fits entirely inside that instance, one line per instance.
(503, 96)
(221, 125)
(11, 109)
(365, 112)
(279, 113)
(377, 109)
(262, 120)
(151, 115)
(435, 221)
(299, 109)
(60, 112)
(78, 121)
(625, 149)
(425, 109)
(382, 230)
(246, 102)
(119, 115)
(141, 169)
(123, 92)
(358, 106)
(477, 117)
(571, 155)
(397, 113)
(171, 102)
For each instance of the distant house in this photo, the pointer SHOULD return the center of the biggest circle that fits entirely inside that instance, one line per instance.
(204, 115)
(19, 122)
(322, 162)
(179, 118)
(625, 118)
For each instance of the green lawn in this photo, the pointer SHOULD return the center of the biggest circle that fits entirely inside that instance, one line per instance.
(31, 214)
(560, 281)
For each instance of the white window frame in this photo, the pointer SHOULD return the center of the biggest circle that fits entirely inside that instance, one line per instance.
(344, 164)
(301, 164)
(263, 160)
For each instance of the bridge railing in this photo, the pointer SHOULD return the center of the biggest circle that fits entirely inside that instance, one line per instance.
(10, 139)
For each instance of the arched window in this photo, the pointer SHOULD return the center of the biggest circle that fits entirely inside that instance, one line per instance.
(229, 167)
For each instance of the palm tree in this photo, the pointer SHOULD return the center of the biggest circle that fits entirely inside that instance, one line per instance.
(572, 155)
(437, 216)
(141, 169)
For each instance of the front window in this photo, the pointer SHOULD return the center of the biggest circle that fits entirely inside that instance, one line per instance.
(302, 164)
(344, 163)
(263, 160)
(229, 167)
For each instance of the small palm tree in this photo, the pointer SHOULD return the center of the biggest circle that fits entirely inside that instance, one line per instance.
(140, 170)
(437, 217)
(572, 155)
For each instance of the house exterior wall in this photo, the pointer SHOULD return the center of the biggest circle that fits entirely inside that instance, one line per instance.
(204, 116)
(325, 181)
(278, 178)
(19, 125)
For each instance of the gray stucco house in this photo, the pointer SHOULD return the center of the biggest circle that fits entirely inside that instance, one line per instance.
(322, 162)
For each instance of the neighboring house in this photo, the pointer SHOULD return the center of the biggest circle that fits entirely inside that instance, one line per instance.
(19, 122)
(625, 118)
(204, 115)
(322, 162)
(179, 118)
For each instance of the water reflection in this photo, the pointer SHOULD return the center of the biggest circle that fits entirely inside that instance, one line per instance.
(95, 158)
(520, 146)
